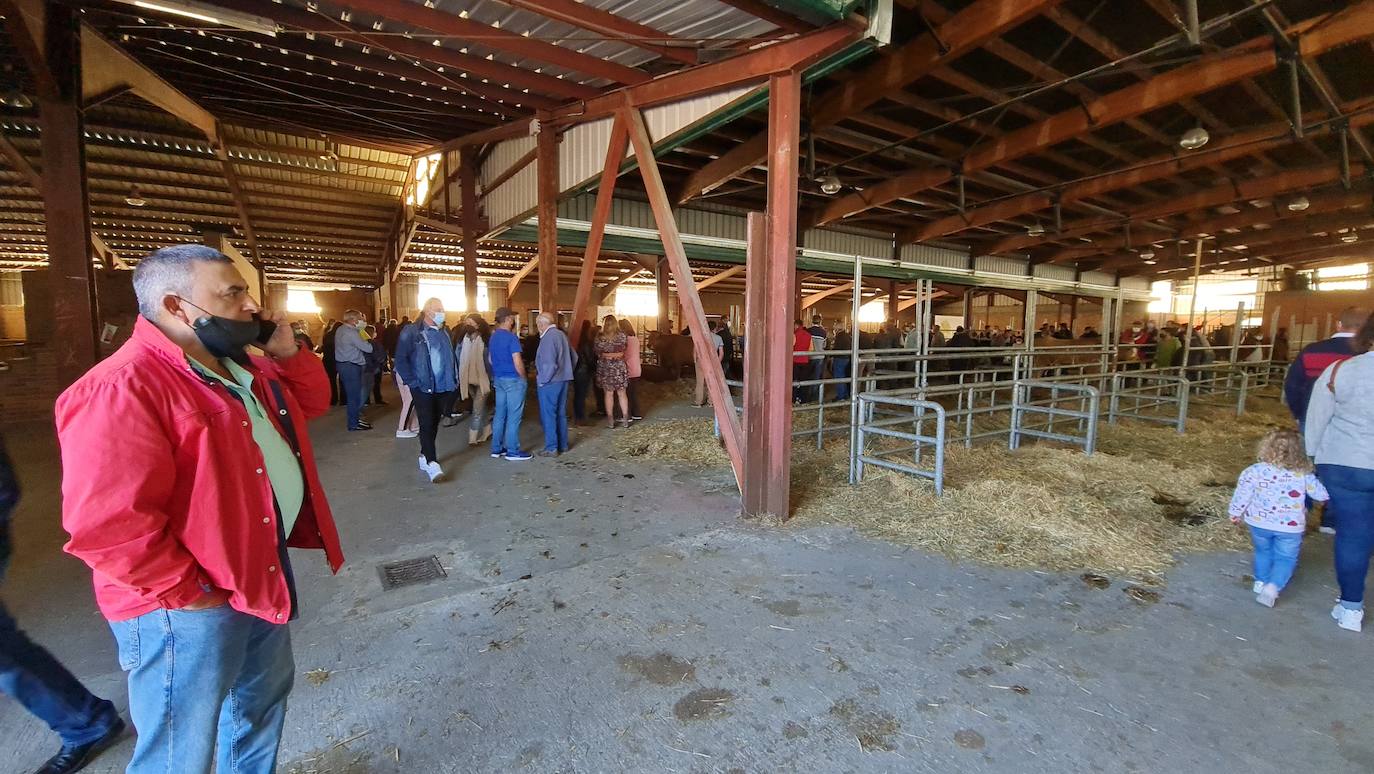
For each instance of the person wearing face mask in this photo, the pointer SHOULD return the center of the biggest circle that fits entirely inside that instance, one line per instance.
(425, 364)
(187, 472)
(350, 358)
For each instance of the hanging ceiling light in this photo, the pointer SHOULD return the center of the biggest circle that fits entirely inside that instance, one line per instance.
(1035, 230)
(134, 199)
(1298, 204)
(15, 98)
(209, 14)
(1350, 237)
(1194, 138)
(1148, 256)
(830, 184)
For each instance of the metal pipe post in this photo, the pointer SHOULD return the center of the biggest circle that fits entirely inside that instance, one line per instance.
(854, 437)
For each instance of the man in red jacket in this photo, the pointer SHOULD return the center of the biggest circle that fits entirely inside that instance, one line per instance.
(187, 471)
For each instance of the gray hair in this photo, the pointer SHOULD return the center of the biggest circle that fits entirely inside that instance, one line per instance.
(168, 272)
(544, 317)
(352, 315)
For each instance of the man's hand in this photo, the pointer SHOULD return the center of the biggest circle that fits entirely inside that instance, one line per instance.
(283, 341)
(212, 598)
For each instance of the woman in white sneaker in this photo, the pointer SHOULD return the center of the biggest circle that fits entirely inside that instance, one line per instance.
(1340, 436)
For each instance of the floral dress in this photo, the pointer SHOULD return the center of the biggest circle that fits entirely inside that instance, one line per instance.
(611, 374)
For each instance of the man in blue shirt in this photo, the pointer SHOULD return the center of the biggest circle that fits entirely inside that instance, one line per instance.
(553, 369)
(508, 377)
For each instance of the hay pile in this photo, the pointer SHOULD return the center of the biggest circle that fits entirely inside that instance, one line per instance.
(1128, 510)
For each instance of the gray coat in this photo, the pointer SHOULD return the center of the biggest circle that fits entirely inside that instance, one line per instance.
(553, 362)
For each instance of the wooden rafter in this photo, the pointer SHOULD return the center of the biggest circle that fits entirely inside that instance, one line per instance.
(1209, 72)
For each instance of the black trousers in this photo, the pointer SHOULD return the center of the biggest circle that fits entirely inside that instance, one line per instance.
(430, 407)
(333, 372)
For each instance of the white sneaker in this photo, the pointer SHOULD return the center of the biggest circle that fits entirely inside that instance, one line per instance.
(1347, 618)
(1327, 530)
(1255, 589)
(407, 433)
(424, 464)
(1267, 595)
(435, 472)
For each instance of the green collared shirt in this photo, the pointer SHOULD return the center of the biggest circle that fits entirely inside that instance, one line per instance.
(283, 470)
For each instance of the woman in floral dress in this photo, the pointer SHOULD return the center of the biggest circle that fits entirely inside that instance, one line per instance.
(612, 375)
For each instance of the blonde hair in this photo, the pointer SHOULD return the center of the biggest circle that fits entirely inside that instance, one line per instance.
(1285, 449)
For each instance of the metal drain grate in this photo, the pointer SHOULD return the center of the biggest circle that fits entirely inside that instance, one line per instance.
(410, 571)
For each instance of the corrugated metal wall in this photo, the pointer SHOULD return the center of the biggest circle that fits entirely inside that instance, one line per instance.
(847, 244)
(582, 152)
(996, 263)
(1135, 283)
(1099, 278)
(935, 256)
(1054, 271)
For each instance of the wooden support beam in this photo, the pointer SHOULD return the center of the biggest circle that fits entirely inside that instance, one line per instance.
(66, 209)
(967, 30)
(601, 212)
(661, 279)
(1239, 145)
(611, 26)
(1212, 71)
(771, 259)
(24, 23)
(719, 276)
(524, 271)
(105, 66)
(231, 179)
(509, 172)
(1235, 190)
(547, 185)
(676, 256)
(473, 225)
(821, 295)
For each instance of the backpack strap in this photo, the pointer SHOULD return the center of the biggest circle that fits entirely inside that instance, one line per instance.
(1331, 381)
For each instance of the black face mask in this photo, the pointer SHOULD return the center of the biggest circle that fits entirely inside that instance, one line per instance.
(225, 337)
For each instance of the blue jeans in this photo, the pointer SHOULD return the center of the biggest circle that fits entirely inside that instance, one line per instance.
(1352, 505)
(839, 369)
(553, 415)
(510, 405)
(1276, 555)
(221, 675)
(40, 683)
(351, 376)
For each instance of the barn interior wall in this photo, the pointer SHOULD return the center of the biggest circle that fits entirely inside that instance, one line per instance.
(1310, 314)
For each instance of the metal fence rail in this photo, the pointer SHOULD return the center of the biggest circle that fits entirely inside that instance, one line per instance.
(1151, 391)
(1062, 396)
(888, 427)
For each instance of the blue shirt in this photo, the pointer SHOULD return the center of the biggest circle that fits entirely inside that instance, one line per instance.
(503, 346)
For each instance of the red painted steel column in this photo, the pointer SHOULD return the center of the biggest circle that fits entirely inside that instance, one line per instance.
(66, 208)
(605, 192)
(472, 222)
(547, 161)
(770, 278)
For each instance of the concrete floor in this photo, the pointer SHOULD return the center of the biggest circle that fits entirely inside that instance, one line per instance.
(604, 615)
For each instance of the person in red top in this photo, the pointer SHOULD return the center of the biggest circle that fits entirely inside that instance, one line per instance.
(187, 471)
(801, 369)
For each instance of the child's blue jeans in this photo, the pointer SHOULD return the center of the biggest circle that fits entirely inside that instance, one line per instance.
(1276, 555)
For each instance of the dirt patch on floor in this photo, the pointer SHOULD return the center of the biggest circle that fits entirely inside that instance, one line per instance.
(659, 669)
(873, 728)
(703, 704)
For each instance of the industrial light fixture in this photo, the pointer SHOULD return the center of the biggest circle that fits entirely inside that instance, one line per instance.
(134, 199)
(830, 184)
(14, 98)
(1148, 256)
(1035, 229)
(1298, 204)
(209, 14)
(1350, 238)
(1194, 138)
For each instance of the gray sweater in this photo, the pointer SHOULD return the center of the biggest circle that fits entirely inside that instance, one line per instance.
(349, 346)
(1340, 424)
(553, 359)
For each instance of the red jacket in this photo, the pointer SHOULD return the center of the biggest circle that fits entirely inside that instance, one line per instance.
(164, 490)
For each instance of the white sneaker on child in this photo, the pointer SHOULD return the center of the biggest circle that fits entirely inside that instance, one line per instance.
(1267, 595)
(1255, 589)
(1346, 618)
(435, 472)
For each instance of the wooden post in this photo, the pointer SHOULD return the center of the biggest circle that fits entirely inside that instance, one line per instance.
(467, 183)
(771, 269)
(661, 285)
(676, 253)
(892, 302)
(547, 161)
(66, 208)
(605, 192)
